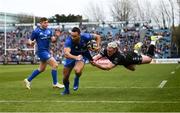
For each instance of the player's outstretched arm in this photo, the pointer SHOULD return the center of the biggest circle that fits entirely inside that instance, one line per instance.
(108, 66)
(96, 57)
(98, 41)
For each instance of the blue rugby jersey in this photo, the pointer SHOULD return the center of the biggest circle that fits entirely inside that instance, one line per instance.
(43, 38)
(81, 47)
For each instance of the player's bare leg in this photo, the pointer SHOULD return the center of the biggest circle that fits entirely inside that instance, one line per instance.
(54, 65)
(150, 53)
(27, 81)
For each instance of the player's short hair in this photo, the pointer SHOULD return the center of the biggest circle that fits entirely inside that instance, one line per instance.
(112, 44)
(76, 29)
(43, 19)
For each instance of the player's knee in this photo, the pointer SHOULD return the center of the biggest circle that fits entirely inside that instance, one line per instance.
(78, 71)
(41, 70)
(55, 66)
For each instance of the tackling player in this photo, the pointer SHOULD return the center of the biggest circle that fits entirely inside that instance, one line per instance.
(128, 59)
(43, 36)
(76, 53)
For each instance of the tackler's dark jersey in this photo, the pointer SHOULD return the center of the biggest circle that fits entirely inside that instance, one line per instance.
(123, 58)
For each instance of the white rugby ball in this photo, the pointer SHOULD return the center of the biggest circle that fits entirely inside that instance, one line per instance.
(103, 61)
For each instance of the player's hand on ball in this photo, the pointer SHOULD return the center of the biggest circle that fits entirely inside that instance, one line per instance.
(92, 46)
(97, 48)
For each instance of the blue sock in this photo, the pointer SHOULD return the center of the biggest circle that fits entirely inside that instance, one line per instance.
(76, 82)
(54, 76)
(33, 75)
(76, 79)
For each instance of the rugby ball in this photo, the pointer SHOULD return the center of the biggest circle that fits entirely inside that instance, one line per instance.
(92, 45)
(103, 61)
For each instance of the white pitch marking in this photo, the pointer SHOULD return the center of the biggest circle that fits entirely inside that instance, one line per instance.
(127, 87)
(115, 102)
(173, 72)
(162, 84)
(89, 112)
(118, 87)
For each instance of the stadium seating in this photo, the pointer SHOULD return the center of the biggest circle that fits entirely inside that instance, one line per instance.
(126, 37)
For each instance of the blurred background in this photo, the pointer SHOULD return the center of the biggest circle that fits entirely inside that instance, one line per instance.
(124, 21)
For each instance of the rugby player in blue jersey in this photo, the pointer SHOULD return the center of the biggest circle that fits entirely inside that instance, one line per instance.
(43, 36)
(76, 53)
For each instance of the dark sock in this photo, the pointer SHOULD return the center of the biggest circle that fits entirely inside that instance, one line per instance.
(66, 85)
(150, 51)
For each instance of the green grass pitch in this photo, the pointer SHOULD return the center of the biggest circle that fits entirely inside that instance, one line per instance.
(118, 90)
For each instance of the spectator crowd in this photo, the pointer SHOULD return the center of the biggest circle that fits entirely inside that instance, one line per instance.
(126, 37)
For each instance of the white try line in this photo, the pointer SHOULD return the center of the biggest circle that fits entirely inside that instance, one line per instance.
(89, 112)
(116, 87)
(162, 84)
(177, 67)
(128, 87)
(108, 102)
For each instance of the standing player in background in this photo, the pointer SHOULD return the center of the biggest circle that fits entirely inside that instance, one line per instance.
(43, 36)
(76, 53)
(128, 58)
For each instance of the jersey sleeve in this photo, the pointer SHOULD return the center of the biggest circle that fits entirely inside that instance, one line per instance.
(88, 36)
(68, 43)
(34, 35)
(92, 36)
